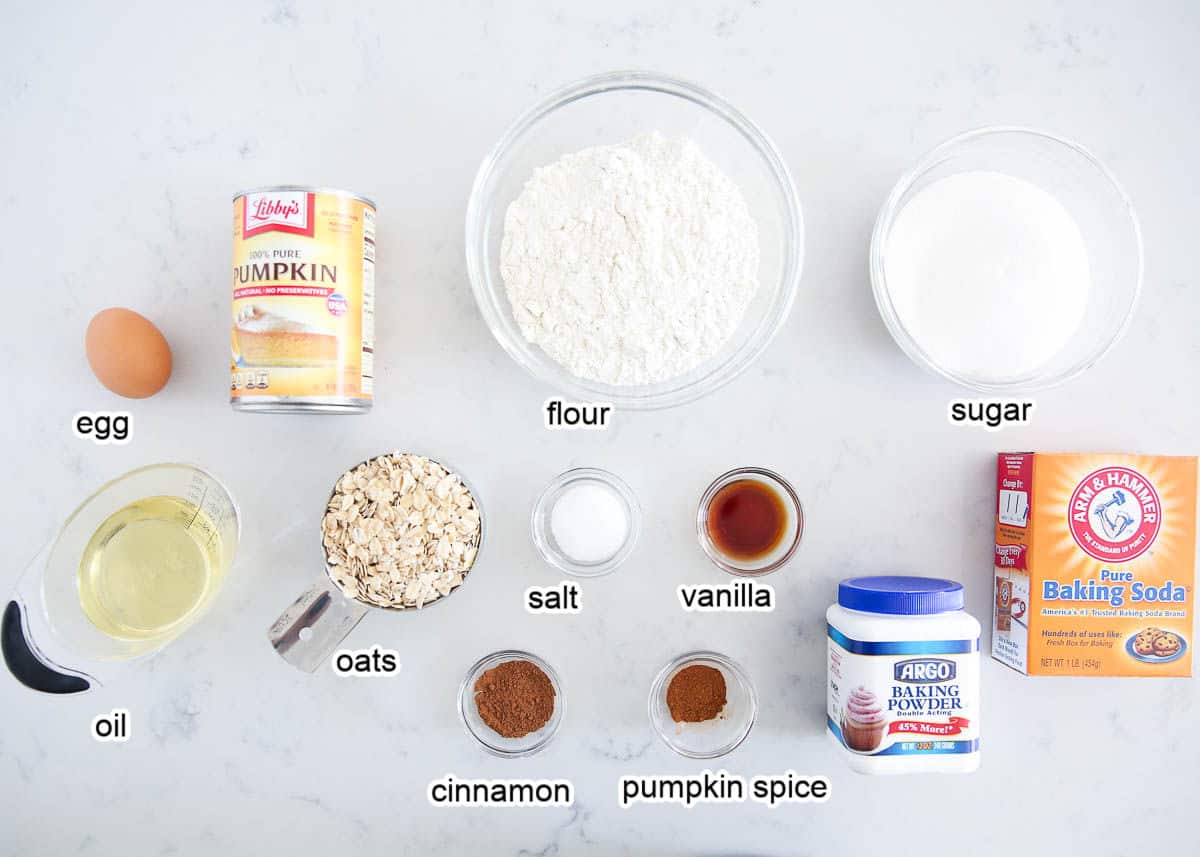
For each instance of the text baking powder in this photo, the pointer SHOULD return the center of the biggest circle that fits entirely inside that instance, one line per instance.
(630, 264)
(988, 273)
(903, 690)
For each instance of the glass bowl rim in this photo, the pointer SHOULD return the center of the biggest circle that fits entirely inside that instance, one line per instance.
(564, 563)
(128, 475)
(465, 696)
(710, 492)
(891, 208)
(785, 291)
(659, 688)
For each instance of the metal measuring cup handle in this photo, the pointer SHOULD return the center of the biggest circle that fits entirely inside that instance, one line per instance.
(308, 631)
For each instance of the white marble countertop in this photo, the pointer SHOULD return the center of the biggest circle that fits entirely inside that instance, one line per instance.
(125, 132)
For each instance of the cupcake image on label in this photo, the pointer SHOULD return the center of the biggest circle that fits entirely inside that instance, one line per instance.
(863, 720)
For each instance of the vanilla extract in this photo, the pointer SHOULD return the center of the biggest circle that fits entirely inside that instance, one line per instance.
(747, 519)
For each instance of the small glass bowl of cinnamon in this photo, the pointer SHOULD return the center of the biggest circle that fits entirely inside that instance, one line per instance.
(512, 703)
(702, 705)
(750, 521)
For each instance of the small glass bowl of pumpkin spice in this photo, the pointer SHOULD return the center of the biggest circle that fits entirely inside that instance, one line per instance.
(703, 705)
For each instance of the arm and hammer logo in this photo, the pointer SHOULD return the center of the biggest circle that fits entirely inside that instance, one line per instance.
(925, 670)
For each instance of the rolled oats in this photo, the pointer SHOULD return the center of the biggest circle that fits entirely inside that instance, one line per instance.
(400, 531)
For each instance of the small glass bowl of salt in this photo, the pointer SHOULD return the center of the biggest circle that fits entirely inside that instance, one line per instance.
(586, 522)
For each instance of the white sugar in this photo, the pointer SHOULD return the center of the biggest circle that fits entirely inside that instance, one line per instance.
(988, 274)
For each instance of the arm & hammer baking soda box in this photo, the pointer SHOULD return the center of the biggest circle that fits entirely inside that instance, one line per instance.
(1095, 564)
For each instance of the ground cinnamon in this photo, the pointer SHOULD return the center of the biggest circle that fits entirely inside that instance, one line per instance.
(515, 698)
(696, 694)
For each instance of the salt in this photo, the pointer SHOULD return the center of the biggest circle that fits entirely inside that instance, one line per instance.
(989, 275)
(589, 523)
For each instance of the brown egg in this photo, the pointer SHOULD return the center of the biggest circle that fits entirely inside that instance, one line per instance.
(127, 353)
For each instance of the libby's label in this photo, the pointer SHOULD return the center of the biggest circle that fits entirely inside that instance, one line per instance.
(303, 296)
(278, 211)
(905, 698)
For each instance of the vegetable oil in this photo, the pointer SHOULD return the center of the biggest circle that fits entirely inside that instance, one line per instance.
(148, 567)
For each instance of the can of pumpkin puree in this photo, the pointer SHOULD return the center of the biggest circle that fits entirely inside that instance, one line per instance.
(303, 301)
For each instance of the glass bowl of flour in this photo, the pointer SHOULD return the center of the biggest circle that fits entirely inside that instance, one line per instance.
(1007, 260)
(634, 239)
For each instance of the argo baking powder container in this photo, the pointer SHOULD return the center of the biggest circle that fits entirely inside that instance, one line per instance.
(903, 694)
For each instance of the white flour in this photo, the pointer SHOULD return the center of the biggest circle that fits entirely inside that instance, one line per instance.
(988, 273)
(630, 264)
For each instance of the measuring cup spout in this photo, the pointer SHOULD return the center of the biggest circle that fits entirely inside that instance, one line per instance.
(27, 665)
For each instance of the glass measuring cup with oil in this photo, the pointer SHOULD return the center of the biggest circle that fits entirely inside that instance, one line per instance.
(133, 567)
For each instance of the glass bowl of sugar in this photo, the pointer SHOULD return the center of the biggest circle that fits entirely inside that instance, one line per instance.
(601, 228)
(1007, 260)
(586, 522)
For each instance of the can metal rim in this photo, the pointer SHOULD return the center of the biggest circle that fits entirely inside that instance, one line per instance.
(302, 404)
(307, 189)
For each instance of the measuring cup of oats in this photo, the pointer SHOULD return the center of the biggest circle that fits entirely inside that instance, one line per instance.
(137, 564)
(399, 532)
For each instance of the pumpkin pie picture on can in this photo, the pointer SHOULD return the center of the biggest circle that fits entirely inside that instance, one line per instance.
(265, 338)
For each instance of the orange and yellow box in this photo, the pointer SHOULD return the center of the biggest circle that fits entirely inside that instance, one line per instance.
(1095, 564)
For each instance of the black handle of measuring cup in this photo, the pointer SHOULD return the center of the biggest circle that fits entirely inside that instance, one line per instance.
(25, 665)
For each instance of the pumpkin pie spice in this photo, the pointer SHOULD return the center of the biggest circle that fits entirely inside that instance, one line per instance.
(696, 694)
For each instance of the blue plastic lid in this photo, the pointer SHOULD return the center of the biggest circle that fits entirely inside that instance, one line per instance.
(900, 595)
